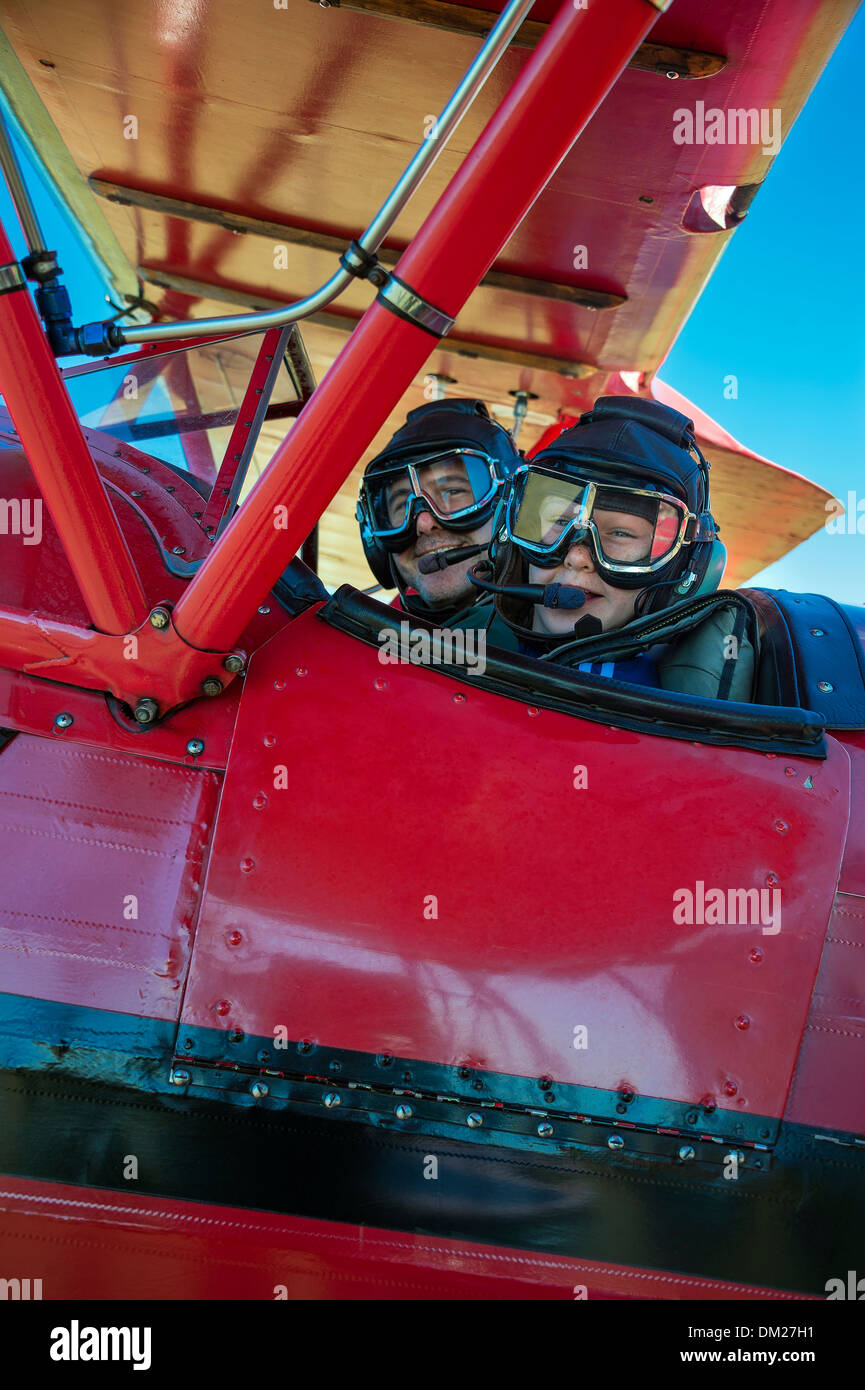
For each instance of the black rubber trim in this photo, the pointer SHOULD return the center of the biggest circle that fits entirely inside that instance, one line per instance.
(600, 699)
(298, 588)
(101, 1081)
(793, 1228)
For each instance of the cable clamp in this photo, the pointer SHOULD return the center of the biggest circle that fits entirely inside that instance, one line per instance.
(363, 264)
(407, 304)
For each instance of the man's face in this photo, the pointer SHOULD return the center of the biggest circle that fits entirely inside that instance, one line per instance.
(447, 485)
(622, 534)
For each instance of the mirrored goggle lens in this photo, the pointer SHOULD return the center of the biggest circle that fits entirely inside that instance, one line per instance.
(453, 486)
(630, 527)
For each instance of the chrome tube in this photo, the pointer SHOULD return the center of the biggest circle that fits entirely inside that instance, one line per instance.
(428, 151)
(18, 190)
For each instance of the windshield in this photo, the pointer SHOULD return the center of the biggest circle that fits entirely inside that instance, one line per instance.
(183, 406)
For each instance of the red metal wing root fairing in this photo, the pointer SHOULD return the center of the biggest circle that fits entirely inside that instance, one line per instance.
(291, 1055)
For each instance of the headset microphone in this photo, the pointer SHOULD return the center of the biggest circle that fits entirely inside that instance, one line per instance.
(550, 595)
(440, 559)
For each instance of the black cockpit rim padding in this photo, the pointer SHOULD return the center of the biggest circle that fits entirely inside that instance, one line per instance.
(600, 699)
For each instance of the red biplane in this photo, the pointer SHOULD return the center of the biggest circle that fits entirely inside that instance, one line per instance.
(289, 1005)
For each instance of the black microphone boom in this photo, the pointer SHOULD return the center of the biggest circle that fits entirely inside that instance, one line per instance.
(550, 595)
(440, 559)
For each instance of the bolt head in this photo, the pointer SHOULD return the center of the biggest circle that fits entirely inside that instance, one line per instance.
(331, 1099)
(63, 721)
(194, 747)
(180, 1077)
(233, 663)
(259, 1089)
(160, 617)
(687, 1152)
(474, 1120)
(146, 711)
(211, 686)
(545, 1130)
(403, 1112)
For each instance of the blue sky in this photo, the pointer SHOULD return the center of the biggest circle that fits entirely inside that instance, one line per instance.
(784, 312)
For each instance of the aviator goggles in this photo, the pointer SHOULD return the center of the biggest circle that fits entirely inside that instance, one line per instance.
(632, 530)
(456, 485)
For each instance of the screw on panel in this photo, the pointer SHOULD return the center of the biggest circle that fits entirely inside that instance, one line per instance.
(146, 711)
(63, 721)
(330, 1099)
(264, 608)
(686, 1152)
(259, 1089)
(211, 686)
(817, 632)
(179, 550)
(403, 1112)
(825, 686)
(160, 617)
(545, 1130)
(179, 1077)
(615, 1141)
(194, 747)
(474, 1120)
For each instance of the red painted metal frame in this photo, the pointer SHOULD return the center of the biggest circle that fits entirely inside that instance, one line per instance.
(67, 476)
(220, 497)
(549, 105)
